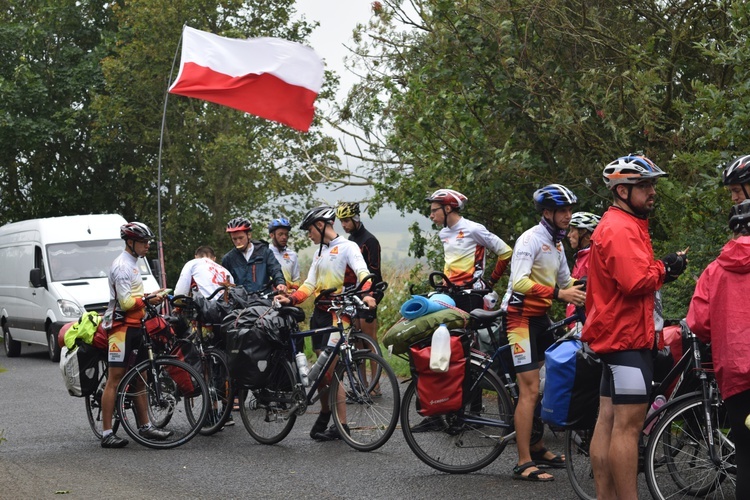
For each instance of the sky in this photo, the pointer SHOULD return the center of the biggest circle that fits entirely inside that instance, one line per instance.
(337, 20)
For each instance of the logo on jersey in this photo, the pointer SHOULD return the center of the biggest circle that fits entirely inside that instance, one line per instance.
(334, 250)
(113, 348)
(286, 256)
(460, 235)
(546, 248)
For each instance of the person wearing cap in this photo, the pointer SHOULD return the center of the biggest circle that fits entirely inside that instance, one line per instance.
(122, 319)
(539, 274)
(278, 231)
(251, 262)
(464, 247)
(623, 278)
(736, 177)
(335, 258)
(718, 315)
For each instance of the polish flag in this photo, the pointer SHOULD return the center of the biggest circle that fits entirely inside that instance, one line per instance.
(268, 77)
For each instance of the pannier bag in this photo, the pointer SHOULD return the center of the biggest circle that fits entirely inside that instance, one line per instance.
(186, 352)
(408, 331)
(571, 389)
(252, 335)
(80, 368)
(159, 330)
(440, 393)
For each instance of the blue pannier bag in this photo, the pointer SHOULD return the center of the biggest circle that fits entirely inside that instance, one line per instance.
(571, 388)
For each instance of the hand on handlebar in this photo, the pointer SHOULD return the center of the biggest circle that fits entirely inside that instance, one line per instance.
(574, 295)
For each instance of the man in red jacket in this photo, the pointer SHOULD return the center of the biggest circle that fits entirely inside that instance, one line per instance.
(622, 279)
(719, 314)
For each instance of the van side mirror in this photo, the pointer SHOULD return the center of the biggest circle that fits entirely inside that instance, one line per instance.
(35, 277)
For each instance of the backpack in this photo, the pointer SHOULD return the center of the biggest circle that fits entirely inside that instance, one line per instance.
(441, 393)
(252, 336)
(571, 388)
(80, 368)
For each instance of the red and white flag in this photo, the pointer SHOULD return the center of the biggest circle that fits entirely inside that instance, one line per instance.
(268, 77)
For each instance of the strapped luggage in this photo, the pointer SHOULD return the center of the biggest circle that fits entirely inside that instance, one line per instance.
(80, 368)
(441, 393)
(252, 335)
(406, 332)
(571, 389)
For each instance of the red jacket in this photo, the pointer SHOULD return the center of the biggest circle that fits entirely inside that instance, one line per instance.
(719, 313)
(580, 270)
(623, 276)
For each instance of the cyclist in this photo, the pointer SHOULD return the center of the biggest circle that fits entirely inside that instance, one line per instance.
(251, 263)
(736, 177)
(203, 274)
(539, 273)
(622, 281)
(716, 315)
(348, 214)
(334, 259)
(278, 231)
(582, 225)
(464, 244)
(123, 322)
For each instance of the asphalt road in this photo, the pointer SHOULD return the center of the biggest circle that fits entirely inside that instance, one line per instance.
(50, 452)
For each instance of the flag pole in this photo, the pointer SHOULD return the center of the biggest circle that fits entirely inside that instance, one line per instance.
(160, 246)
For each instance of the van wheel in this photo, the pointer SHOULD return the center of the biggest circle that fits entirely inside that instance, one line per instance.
(53, 347)
(12, 347)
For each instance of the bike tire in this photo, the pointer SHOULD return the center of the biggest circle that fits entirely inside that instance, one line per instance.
(578, 462)
(94, 402)
(448, 444)
(219, 383)
(361, 340)
(371, 418)
(265, 412)
(677, 461)
(181, 409)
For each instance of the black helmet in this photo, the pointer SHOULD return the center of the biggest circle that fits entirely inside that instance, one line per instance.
(737, 172)
(323, 212)
(136, 231)
(554, 196)
(239, 224)
(739, 217)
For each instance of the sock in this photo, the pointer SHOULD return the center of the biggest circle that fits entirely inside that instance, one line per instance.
(106, 433)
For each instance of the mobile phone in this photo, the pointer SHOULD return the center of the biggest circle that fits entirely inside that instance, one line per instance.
(164, 292)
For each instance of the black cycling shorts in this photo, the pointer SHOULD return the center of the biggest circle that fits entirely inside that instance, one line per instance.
(320, 319)
(627, 376)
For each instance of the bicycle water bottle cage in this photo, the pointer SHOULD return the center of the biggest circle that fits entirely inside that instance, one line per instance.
(481, 318)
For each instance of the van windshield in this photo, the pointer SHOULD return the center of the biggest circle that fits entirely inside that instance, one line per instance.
(86, 259)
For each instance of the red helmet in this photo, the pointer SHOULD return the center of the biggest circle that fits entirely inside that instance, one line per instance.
(448, 197)
(239, 224)
(136, 231)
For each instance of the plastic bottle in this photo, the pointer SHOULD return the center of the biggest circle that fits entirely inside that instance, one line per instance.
(440, 354)
(315, 370)
(302, 368)
(658, 403)
(747, 421)
(490, 300)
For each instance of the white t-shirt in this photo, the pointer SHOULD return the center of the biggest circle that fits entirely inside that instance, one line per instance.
(202, 274)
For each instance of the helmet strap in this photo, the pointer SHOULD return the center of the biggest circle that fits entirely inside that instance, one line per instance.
(638, 213)
(744, 190)
(445, 216)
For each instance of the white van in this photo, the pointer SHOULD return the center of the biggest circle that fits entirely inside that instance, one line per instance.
(53, 270)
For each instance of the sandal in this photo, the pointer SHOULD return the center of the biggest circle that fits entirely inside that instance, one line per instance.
(531, 476)
(556, 462)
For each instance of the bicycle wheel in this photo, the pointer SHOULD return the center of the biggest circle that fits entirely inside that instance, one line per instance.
(175, 397)
(578, 462)
(94, 402)
(370, 417)
(361, 340)
(265, 412)
(450, 444)
(219, 383)
(677, 459)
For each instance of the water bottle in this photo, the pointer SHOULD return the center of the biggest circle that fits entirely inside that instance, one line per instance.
(658, 403)
(302, 368)
(315, 370)
(490, 300)
(747, 421)
(440, 354)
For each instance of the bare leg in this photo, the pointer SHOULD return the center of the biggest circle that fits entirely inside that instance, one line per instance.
(528, 394)
(599, 449)
(114, 375)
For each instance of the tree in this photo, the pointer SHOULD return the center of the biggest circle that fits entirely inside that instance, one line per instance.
(496, 99)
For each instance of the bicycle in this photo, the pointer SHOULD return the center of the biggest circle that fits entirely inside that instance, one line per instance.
(175, 395)
(364, 420)
(210, 360)
(677, 421)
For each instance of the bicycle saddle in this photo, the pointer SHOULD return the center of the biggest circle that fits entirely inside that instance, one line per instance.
(296, 313)
(484, 318)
